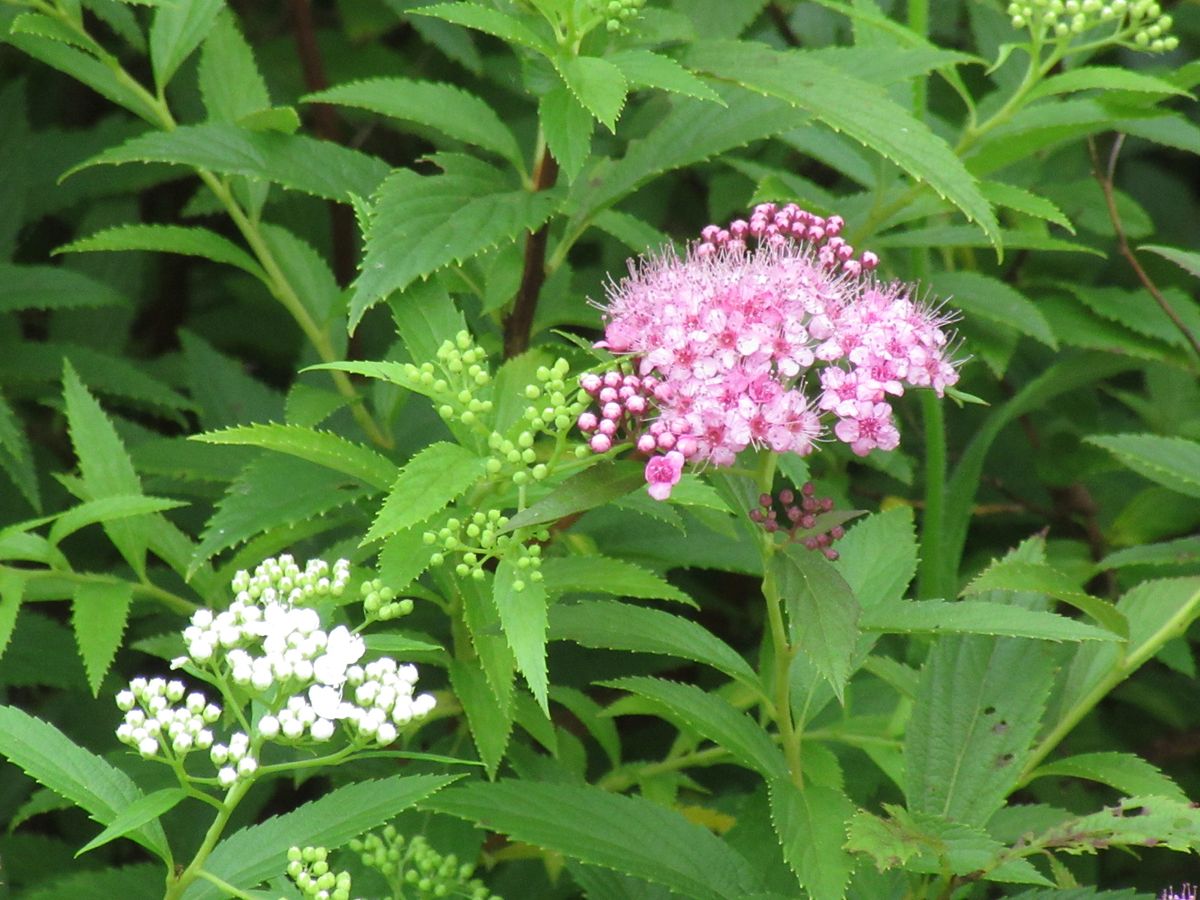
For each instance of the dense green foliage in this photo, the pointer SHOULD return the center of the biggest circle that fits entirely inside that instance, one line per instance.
(321, 279)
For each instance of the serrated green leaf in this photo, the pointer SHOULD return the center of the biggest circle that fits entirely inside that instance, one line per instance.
(966, 236)
(307, 270)
(135, 815)
(1135, 822)
(989, 298)
(53, 287)
(1181, 552)
(321, 447)
(713, 718)
(53, 29)
(1102, 78)
(253, 854)
(490, 720)
(610, 625)
(878, 556)
(411, 237)
(53, 760)
(404, 556)
(524, 620)
(976, 617)
(105, 466)
(1185, 259)
(447, 108)
(873, 119)
(107, 509)
(1127, 772)
(12, 593)
(811, 826)
(177, 30)
(822, 610)
(604, 829)
(1173, 462)
(567, 127)
(978, 709)
(508, 28)
(591, 715)
(638, 236)
(230, 83)
(292, 161)
(1017, 575)
(645, 69)
(88, 70)
(99, 611)
(137, 880)
(592, 487)
(224, 392)
(433, 478)
(265, 497)
(188, 241)
(605, 575)
(597, 84)
(1023, 201)
(16, 455)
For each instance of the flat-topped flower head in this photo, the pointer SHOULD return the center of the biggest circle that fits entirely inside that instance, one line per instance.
(751, 338)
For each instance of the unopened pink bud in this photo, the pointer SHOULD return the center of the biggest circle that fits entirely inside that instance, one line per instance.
(607, 427)
(612, 410)
(647, 444)
(590, 382)
(687, 445)
(636, 404)
(600, 443)
(612, 379)
(709, 233)
(607, 395)
(666, 440)
(587, 421)
(869, 260)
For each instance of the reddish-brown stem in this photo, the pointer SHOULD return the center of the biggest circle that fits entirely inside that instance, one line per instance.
(518, 324)
(327, 126)
(779, 19)
(1105, 176)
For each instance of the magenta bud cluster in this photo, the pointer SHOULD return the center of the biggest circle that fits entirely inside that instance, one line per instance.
(796, 516)
(773, 225)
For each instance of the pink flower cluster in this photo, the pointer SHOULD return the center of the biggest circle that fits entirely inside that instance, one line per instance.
(721, 342)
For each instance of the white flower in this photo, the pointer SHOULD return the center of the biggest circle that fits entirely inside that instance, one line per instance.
(322, 730)
(268, 726)
(227, 776)
(386, 733)
(148, 746)
(342, 650)
(423, 705)
(327, 702)
(125, 700)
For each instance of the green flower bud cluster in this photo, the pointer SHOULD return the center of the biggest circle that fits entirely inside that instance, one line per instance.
(553, 410)
(617, 14)
(413, 864)
(1140, 24)
(454, 381)
(478, 539)
(309, 870)
(380, 603)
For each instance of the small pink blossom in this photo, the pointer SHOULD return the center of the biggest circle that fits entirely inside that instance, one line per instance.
(663, 473)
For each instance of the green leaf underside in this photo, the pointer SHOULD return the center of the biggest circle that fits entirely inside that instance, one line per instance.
(321, 447)
(713, 718)
(1017, 575)
(433, 478)
(444, 107)
(811, 826)
(593, 487)
(605, 575)
(523, 617)
(1127, 772)
(412, 234)
(187, 241)
(1173, 462)
(604, 829)
(253, 854)
(54, 761)
(872, 118)
(1185, 259)
(990, 298)
(977, 617)
(295, 162)
(607, 624)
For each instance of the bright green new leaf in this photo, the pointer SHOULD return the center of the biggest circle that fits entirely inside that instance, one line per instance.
(811, 826)
(53, 760)
(16, 455)
(321, 447)
(713, 718)
(177, 30)
(605, 829)
(293, 161)
(12, 593)
(597, 84)
(1011, 197)
(524, 620)
(99, 611)
(592, 487)
(230, 83)
(608, 624)
(822, 610)
(1103, 78)
(508, 28)
(135, 815)
(436, 476)
(1173, 462)
(258, 852)
(645, 69)
(605, 575)
(188, 241)
(447, 108)
(878, 556)
(107, 509)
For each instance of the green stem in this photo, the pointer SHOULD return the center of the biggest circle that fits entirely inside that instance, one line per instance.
(622, 779)
(931, 576)
(918, 23)
(177, 886)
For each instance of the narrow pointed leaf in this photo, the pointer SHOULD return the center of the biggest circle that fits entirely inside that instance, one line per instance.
(811, 826)
(1173, 462)
(135, 815)
(188, 241)
(177, 30)
(99, 611)
(436, 476)
(592, 487)
(524, 620)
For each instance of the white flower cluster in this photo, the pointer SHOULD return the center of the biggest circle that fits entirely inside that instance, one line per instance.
(154, 723)
(383, 700)
(233, 760)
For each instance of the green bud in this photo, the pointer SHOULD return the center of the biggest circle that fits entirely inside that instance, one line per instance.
(446, 411)
(532, 392)
(478, 574)
(540, 471)
(528, 456)
(493, 466)
(525, 439)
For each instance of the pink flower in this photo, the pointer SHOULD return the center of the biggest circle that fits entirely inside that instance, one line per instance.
(662, 474)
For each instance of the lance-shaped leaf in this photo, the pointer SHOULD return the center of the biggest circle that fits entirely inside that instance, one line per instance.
(1185, 259)
(421, 223)
(992, 299)
(605, 575)
(177, 30)
(1172, 462)
(524, 620)
(977, 617)
(429, 481)
(1127, 772)
(811, 826)
(591, 488)
(188, 241)
(597, 84)
(53, 287)
(99, 611)
(230, 83)
(1010, 574)
(489, 718)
